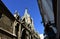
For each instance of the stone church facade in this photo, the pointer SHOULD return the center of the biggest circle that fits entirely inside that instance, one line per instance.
(14, 27)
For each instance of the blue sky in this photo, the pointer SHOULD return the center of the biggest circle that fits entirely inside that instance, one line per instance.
(33, 10)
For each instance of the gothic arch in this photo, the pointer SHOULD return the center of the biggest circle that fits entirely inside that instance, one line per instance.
(23, 36)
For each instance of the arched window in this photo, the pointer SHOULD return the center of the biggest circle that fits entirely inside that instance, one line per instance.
(23, 34)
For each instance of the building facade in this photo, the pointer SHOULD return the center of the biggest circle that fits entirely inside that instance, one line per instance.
(49, 16)
(14, 27)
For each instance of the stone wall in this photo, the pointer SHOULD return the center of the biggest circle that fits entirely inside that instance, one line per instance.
(6, 23)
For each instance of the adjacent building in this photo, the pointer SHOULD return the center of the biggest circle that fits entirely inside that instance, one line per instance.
(14, 26)
(48, 12)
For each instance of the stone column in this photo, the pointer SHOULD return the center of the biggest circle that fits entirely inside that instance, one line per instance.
(14, 24)
(19, 32)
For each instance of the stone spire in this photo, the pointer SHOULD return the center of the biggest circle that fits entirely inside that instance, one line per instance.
(26, 13)
(16, 14)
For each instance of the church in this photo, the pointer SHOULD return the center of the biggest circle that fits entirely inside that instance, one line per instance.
(14, 26)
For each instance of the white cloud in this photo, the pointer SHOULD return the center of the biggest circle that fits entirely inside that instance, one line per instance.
(41, 36)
